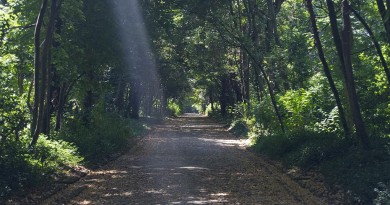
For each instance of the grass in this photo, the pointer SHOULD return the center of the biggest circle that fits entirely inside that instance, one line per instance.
(363, 174)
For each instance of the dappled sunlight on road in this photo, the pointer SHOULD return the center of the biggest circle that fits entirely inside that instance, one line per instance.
(226, 142)
(194, 168)
(187, 160)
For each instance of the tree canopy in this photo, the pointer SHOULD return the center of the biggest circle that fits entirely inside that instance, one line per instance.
(274, 66)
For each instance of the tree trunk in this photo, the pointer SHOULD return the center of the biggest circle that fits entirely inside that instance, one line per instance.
(42, 120)
(37, 67)
(273, 101)
(335, 33)
(119, 99)
(376, 43)
(61, 105)
(339, 49)
(272, 26)
(349, 78)
(326, 67)
(134, 100)
(270, 89)
(46, 68)
(245, 63)
(223, 97)
(211, 98)
(383, 11)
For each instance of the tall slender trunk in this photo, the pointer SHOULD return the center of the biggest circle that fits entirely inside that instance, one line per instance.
(223, 95)
(37, 65)
(61, 105)
(376, 43)
(335, 34)
(270, 88)
(272, 27)
(383, 12)
(339, 50)
(134, 100)
(245, 72)
(44, 98)
(326, 67)
(273, 101)
(349, 78)
(119, 99)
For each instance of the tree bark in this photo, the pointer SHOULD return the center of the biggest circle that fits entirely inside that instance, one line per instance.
(272, 26)
(119, 99)
(134, 100)
(223, 97)
(326, 67)
(61, 105)
(42, 125)
(349, 78)
(245, 72)
(335, 34)
(37, 67)
(47, 51)
(39, 76)
(273, 101)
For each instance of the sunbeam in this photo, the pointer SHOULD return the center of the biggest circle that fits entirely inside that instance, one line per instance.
(136, 50)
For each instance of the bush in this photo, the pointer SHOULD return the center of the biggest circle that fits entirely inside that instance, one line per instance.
(174, 108)
(54, 154)
(106, 134)
(363, 174)
(23, 167)
(383, 194)
(264, 114)
(305, 149)
(239, 128)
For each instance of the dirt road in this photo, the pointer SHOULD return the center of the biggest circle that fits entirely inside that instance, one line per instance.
(188, 160)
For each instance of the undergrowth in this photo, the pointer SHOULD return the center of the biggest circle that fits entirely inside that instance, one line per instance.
(105, 134)
(363, 174)
(24, 168)
(238, 128)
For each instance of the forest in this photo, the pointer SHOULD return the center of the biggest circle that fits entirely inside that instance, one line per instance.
(306, 81)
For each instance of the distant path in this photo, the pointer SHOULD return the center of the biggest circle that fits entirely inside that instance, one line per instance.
(188, 160)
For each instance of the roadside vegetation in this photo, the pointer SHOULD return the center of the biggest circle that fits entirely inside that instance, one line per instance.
(308, 81)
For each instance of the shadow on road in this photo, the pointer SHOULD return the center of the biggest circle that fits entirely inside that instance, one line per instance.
(187, 160)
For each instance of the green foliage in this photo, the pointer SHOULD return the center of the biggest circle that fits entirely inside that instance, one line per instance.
(363, 174)
(23, 167)
(107, 133)
(383, 194)
(298, 104)
(311, 108)
(239, 128)
(174, 108)
(54, 154)
(264, 115)
(304, 149)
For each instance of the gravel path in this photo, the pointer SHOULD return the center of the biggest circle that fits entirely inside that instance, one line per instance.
(188, 160)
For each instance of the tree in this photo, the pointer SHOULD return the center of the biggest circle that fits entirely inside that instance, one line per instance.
(42, 99)
(375, 41)
(326, 67)
(344, 46)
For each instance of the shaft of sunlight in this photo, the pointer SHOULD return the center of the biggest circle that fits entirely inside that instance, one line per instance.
(135, 43)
